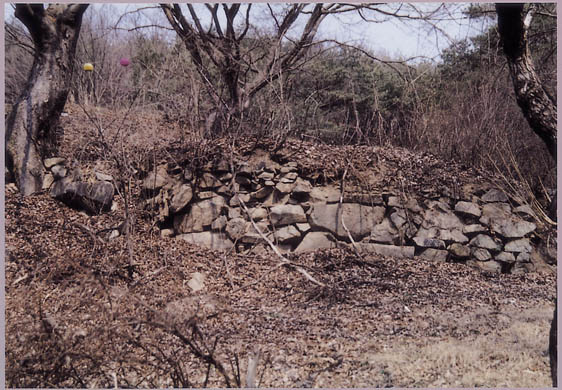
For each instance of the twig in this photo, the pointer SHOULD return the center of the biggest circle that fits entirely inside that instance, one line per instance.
(284, 260)
(89, 231)
(150, 275)
(342, 191)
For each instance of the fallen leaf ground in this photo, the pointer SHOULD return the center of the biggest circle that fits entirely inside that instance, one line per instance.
(84, 311)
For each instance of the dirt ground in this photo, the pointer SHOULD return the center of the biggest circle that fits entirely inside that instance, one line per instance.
(144, 311)
(83, 313)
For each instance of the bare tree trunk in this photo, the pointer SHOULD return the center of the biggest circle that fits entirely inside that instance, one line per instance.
(537, 105)
(35, 115)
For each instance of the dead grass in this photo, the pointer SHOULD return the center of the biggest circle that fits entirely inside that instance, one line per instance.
(512, 357)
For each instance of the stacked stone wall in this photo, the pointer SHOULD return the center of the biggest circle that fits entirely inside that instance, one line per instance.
(215, 208)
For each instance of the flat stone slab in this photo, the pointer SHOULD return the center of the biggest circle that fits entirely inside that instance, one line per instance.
(207, 239)
(473, 229)
(324, 195)
(429, 242)
(387, 250)
(468, 208)
(316, 240)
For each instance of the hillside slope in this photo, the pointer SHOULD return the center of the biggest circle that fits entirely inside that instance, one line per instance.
(141, 310)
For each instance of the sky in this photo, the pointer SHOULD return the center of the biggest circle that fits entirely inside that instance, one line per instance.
(393, 38)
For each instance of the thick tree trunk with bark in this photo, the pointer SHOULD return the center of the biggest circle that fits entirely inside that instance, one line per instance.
(538, 107)
(35, 115)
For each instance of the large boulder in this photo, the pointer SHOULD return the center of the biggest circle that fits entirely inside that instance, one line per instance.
(156, 179)
(492, 211)
(359, 219)
(485, 242)
(181, 196)
(442, 219)
(92, 197)
(287, 234)
(286, 214)
(384, 232)
(200, 215)
(512, 227)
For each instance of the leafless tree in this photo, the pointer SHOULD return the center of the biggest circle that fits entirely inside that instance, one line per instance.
(242, 70)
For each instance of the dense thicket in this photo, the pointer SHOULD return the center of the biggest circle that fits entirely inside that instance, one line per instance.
(461, 108)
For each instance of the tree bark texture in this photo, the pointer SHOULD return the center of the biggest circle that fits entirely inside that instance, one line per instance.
(552, 346)
(35, 115)
(538, 107)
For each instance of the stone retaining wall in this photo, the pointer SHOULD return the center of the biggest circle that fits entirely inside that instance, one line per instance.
(483, 228)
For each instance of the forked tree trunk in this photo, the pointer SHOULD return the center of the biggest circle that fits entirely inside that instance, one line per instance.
(34, 117)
